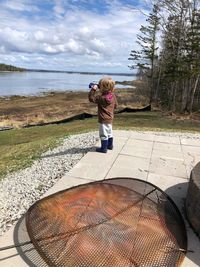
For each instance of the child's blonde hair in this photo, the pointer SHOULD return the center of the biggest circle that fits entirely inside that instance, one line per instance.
(106, 85)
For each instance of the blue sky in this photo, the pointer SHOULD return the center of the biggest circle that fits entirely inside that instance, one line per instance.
(74, 35)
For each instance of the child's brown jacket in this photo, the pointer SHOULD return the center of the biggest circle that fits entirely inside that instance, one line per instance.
(106, 105)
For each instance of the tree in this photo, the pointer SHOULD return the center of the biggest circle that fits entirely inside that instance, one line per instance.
(173, 40)
(192, 58)
(5, 67)
(146, 58)
(180, 53)
(174, 74)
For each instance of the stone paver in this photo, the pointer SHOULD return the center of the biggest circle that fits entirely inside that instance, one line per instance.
(171, 167)
(167, 139)
(165, 161)
(138, 148)
(129, 166)
(173, 186)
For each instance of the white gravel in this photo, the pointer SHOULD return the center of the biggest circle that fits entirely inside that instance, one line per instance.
(18, 191)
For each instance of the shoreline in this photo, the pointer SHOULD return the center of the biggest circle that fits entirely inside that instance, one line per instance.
(131, 85)
(128, 85)
(41, 94)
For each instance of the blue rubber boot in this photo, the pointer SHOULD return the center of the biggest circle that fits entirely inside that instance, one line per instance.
(103, 148)
(110, 143)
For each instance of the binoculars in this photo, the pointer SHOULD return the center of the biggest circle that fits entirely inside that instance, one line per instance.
(92, 84)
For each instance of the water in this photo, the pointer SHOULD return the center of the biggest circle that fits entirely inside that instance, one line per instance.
(34, 83)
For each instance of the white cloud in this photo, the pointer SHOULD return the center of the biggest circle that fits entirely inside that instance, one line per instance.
(49, 49)
(74, 47)
(71, 36)
(84, 33)
(98, 43)
(2, 49)
(39, 36)
(19, 5)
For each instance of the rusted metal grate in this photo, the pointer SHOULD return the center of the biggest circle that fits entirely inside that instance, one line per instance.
(116, 222)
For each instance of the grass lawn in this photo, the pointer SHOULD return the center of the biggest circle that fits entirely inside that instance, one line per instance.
(19, 147)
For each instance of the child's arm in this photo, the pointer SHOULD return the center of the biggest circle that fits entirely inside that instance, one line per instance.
(91, 96)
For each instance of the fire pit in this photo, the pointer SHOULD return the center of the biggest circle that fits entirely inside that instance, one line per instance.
(116, 222)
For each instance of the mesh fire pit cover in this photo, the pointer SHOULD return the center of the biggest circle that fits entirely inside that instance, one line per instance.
(118, 222)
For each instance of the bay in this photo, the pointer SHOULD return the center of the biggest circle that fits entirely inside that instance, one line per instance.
(35, 83)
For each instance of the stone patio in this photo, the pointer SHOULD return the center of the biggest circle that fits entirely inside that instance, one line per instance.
(165, 161)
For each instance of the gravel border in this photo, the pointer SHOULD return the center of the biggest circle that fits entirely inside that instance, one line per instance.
(18, 191)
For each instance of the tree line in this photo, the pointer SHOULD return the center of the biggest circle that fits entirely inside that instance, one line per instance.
(168, 58)
(5, 67)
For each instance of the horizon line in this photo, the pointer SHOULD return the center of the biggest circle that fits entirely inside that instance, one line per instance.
(83, 72)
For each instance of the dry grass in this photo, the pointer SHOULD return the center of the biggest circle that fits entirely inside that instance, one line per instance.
(20, 111)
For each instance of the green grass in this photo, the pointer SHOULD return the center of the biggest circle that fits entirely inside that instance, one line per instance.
(152, 121)
(20, 147)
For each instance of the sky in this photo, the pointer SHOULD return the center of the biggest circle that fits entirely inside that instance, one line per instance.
(70, 35)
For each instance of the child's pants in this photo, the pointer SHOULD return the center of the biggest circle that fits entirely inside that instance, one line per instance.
(105, 131)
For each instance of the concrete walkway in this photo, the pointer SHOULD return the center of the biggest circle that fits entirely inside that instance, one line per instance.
(165, 161)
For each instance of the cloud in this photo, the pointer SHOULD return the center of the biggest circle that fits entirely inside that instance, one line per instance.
(74, 32)
(39, 36)
(19, 5)
(58, 8)
(85, 33)
(74, 47)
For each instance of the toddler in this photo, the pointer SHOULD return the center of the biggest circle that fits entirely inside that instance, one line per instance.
(106, 102)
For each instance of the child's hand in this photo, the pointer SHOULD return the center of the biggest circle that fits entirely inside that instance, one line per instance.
(95, 87)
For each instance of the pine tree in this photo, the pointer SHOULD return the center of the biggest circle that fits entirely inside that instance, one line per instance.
(146, 58)
(180, 53)
(173, 75)
(173, 41)
(192, 58)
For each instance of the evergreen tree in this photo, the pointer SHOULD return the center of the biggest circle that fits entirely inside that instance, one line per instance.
(180, 53)
(173, 41)
(173, 75)
(192, 59)
(146, 58)
(5, 67)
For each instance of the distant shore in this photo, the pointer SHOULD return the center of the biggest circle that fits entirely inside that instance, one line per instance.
(85, 72)
(71, 72)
